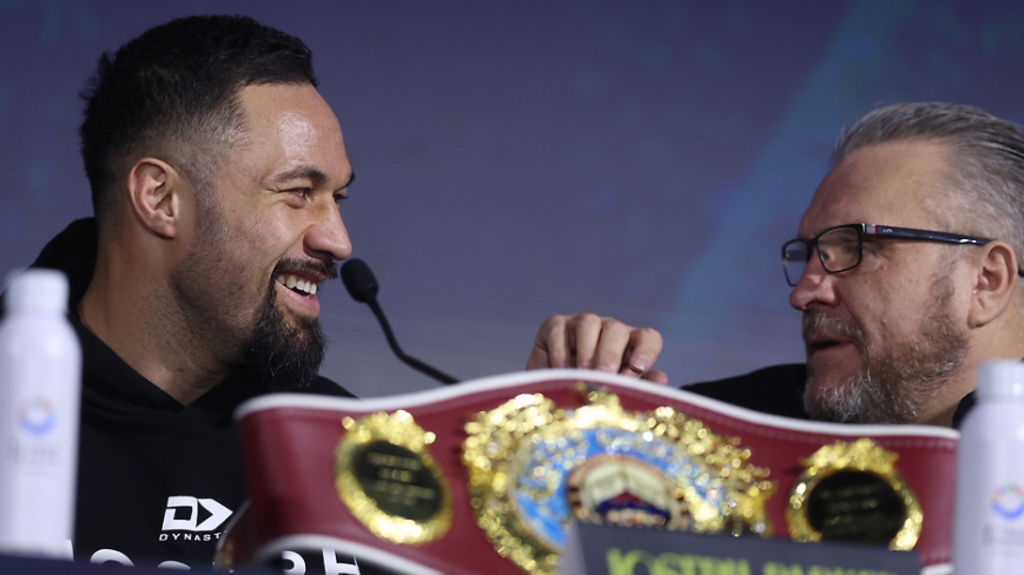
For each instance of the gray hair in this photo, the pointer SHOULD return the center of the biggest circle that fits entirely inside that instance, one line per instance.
(985, 180)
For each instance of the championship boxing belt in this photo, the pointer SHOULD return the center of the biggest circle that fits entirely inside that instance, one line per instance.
(486, 476)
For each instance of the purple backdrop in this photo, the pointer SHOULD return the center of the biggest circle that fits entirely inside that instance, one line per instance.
(640, 159)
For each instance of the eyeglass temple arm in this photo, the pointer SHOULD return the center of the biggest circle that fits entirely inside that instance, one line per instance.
(912, 234)
(872, 229)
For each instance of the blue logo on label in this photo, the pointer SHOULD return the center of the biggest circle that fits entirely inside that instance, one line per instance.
(1008, 501)
(37, 415)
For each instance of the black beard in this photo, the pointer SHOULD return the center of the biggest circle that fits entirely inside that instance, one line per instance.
(894, 384)
(286, 358)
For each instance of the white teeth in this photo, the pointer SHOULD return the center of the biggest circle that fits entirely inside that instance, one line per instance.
(293, 282)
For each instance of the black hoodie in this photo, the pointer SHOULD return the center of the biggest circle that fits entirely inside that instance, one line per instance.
(157, 480)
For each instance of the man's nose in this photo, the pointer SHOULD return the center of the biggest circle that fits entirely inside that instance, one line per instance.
(328, 235)
(814, 285)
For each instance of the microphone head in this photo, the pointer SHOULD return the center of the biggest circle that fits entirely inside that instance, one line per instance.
(359, 280)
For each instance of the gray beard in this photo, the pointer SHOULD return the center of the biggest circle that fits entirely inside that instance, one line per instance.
(893, 384)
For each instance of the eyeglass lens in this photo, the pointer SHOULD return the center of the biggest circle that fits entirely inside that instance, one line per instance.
(838, 250)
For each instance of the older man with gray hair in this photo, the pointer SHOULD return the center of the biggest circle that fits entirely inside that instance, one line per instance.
(906, 269)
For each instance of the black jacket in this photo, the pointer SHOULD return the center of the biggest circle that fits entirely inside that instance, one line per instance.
(779, 390)
(158, 481)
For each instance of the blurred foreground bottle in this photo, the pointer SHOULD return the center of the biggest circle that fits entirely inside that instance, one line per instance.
(40, 393)
(988, 535)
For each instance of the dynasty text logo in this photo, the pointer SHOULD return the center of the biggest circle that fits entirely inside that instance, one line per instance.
(193, 519)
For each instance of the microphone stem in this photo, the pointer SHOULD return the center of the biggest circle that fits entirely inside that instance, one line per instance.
(408, 360)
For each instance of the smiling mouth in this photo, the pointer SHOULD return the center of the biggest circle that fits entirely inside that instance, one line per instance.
(297, 284)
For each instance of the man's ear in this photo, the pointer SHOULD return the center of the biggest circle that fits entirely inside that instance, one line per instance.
(995, 282)
(155, 190)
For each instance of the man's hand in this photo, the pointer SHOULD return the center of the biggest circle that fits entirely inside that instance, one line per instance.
(588, 341)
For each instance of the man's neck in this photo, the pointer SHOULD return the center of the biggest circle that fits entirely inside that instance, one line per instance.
(943, 418)
(1004, 344)
(142, 332)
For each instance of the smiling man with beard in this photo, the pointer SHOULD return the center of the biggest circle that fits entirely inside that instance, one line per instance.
(216, 170)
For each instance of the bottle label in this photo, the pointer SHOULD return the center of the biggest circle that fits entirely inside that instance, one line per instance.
(36, 415)
(1003, 528)
(34, 441)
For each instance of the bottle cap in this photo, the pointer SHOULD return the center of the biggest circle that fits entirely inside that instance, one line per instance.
(1001, 379)
(37, 289)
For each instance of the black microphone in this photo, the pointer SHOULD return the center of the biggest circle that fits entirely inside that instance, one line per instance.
(363, 288)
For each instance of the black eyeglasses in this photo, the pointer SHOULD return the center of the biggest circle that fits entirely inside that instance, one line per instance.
(840, 248)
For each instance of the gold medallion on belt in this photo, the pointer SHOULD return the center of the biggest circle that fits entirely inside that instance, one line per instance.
(534, 467)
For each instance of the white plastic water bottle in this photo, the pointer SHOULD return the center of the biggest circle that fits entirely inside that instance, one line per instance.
(40, 393)
(988, 533)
